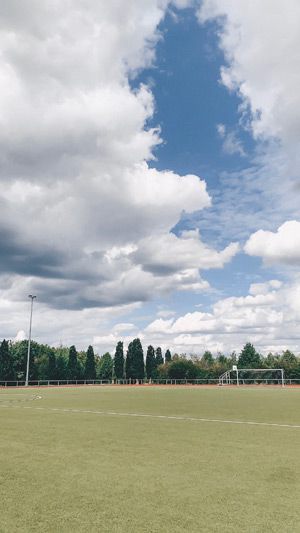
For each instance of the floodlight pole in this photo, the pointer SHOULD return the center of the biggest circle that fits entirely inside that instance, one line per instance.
(29, 339)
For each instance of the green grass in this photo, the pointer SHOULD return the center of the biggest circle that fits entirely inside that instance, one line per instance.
(66, 471)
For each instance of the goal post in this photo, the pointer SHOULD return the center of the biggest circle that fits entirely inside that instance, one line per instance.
(253, 376)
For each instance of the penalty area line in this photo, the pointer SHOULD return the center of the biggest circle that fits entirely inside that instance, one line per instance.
(159, 417)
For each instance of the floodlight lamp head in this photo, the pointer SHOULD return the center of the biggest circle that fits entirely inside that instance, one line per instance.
(31, 296)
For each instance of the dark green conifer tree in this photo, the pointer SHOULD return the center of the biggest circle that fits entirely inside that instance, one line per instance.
(119, 361)
(135, 368)
(168, 357)
(52, 374)
(159, 360)
(150, 362)
(6, 363)
(72, 364)
(90, 367)
(249, 357)
(106, 367)
(128, 362)
(61, 367)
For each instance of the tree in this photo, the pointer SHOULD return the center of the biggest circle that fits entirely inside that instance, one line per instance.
(150, 362)
(168, 357)
(271, 361)
(288, 359)
(106, 367)
(207, 359)
(52, 374)
(158, 357)
(222, 359)
(249, 357)
(6, 363)
(182, 369)
(18, 351)
(119, 361)
(72, 364)
(61, 367)
(81, 361)
(135, 361)
(291, 365)
(90, 367)
(129, 361)
(62, 358)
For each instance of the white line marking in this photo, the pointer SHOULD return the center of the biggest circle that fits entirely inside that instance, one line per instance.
(164, 417)
(16, 398)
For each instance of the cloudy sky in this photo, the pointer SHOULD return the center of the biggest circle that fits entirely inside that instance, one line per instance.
(149, 166)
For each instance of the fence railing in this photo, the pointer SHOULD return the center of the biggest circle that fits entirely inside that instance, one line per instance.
(208, 381)
(68, 382)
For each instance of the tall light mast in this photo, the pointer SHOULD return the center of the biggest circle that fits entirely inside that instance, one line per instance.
(29, 339)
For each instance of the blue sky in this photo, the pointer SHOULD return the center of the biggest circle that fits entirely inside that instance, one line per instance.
(150, 173)
(190, 103)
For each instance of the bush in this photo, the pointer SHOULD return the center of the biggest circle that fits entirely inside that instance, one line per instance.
(182, 369)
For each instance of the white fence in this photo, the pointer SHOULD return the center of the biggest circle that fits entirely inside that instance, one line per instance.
(53, 383)
(49, 383)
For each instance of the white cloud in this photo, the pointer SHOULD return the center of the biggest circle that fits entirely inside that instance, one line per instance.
(261, 42)
(109, 342)
(268, 317)
(20, 336)
(80, 206)
(160, 326)
(123, 326)
(167, 252)
(78, 198)
(85, 222)
(165, 313)
(231, 143)
(282, 246)
(263, 288)
(56, 326)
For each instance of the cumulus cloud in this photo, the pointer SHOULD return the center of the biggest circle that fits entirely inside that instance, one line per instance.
(282, 246)
(169, 253)
(60, 326)
(261, 41)
(85, 222)
(79, 202)
(268, 316)
(264, 288)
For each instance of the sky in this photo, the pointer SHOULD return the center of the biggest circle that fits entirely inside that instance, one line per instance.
(150, 173)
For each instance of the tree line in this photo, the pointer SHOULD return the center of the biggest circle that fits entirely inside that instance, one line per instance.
(66, 363)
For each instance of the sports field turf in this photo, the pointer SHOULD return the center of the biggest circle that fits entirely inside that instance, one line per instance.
(75, 460)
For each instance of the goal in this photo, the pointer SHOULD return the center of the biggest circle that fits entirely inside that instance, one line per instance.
(252, 376)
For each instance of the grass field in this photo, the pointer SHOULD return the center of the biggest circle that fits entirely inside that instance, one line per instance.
(76, 460)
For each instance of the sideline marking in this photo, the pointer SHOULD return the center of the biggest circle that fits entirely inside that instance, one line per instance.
(164, 417)
(13, 398)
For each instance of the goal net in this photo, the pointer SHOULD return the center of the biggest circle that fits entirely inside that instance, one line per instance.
(253, 376)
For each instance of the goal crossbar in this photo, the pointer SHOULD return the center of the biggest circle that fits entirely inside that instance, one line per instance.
(233, 376)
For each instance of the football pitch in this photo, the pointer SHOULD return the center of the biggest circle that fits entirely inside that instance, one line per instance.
(150, 459)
